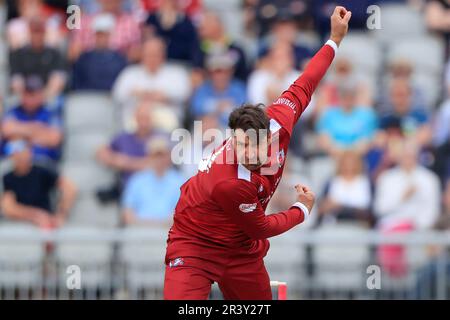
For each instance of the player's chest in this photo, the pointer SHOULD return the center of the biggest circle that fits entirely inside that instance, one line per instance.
(267, 185)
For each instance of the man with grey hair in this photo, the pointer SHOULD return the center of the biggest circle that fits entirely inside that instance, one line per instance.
(154, 81)
(214, 39)
(220, 94)
(150, 195)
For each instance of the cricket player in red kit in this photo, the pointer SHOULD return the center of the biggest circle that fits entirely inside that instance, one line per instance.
(220, 229)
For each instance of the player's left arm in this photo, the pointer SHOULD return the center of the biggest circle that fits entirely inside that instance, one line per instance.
(291, 104)
(239, 200)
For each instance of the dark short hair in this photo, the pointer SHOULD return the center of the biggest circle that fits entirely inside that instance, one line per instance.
(249, 116)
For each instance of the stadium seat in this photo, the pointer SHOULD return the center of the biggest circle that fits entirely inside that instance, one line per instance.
(21, 256)
(399, 21)
(341, 266)
(3, 66)
(363, 52)
(321, 169)
(86, 248)
(231, 14)
(5, 167)
(88, 211)
(90, 112)
(142, 254)
(3, 81)
(415, 49)
(286, 259)
(82, 147)
(3, 52)
(418, 255)
(431, 86)
(87, 177)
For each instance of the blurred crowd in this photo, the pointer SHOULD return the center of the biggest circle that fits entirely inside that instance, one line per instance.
(166, 63)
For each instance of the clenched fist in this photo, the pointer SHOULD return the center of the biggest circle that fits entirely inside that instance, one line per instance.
(305, 196)
(339, 24)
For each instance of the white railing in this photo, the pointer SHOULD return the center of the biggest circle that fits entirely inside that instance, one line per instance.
(338, 262)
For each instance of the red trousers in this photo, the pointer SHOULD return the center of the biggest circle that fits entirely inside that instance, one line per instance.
(191, 279)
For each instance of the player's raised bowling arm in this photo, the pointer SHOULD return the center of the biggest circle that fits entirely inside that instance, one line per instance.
(297, 97)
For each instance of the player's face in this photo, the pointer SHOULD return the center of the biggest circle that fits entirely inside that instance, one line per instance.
(249, 152)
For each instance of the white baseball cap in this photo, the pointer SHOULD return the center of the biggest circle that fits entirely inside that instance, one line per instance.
(104, 22)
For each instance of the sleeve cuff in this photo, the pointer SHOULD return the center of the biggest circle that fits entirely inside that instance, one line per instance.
(332, 44)
(302, 207)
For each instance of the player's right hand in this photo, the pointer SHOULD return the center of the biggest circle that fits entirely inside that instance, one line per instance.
(305, 196)
(339, 24)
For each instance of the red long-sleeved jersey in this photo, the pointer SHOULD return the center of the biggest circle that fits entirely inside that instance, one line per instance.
(221, 210)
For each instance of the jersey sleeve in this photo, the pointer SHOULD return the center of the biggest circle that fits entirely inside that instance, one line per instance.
(238, 199)
(287, 109)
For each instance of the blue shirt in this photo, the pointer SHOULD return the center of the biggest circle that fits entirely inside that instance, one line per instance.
(152, 197)
(409, 122)
(97, 70)
(206, 99)
(43, 116)
(129, 144)
(348, 128)
(181, 39)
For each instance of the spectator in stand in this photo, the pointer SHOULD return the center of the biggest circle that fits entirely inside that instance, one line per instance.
(348, 195)
(347, 126)
(437, 16)
(153, 81)
(342, 72)
(442, 136)
(18, 31)
(28, 189)
(385, 149)
(214, 40)
(221, 94)
(400, 69)
(38, 59)
(125, 37)
(2, 142)
(33, 122)
(266, 84)
(191, 7)
(285, 30)
(442, 125)
(94, 7)
(151, 195)
(268, 11)
(413, 119)
(442, 121)
(177, 30)
(407, 198)
(127, 152)
(442, 161)
(97, 69)
(428, 276)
